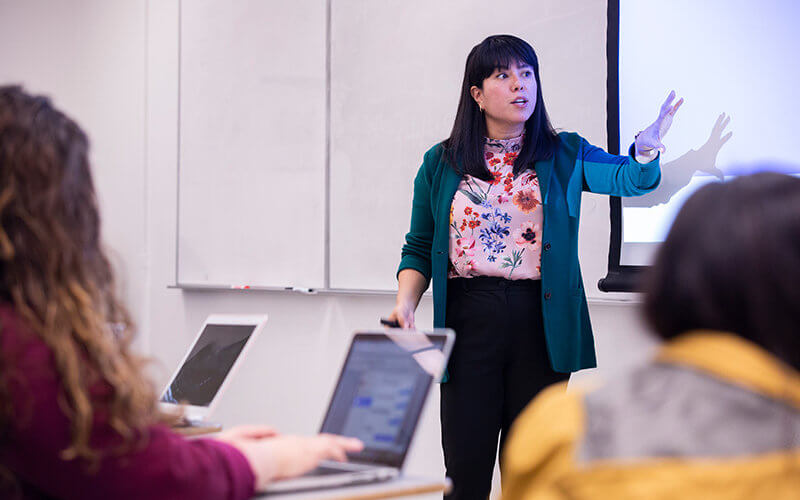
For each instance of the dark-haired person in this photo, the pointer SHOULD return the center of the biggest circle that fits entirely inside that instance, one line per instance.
(77, 417)
(494, 224)
(716, 414)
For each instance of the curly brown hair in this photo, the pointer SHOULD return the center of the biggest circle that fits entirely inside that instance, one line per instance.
(56, 275)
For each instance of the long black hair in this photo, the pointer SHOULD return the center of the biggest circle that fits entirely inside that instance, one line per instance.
(731, 262)
(464, 147)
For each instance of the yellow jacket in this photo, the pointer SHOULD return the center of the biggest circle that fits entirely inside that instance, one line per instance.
(713, 416)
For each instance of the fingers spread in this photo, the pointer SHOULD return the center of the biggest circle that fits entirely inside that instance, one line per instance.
(675, 108)
(719, 125)
(726, 137)
(666, 106)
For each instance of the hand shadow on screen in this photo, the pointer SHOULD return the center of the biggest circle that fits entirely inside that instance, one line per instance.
(675, 175)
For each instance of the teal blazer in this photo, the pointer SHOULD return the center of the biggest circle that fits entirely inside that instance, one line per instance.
(575, 167)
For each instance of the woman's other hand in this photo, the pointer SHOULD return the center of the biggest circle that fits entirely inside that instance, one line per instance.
(648, 142)
(274, 457)
(403, 314)
(410, 286)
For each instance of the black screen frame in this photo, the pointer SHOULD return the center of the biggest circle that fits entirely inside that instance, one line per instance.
(383, 457)
(176, 380)
(620, 278)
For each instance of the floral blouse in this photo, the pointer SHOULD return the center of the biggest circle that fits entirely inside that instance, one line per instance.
(496, 225)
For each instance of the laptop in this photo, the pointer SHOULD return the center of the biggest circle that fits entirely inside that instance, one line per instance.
(378, 398)
(201, 378)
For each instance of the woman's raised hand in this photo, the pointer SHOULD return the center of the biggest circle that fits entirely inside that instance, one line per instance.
(648, 141)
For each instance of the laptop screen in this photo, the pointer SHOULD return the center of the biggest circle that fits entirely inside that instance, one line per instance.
(381, 392)
(208, 363)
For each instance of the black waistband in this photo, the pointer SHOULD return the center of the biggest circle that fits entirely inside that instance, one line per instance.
(492, 283)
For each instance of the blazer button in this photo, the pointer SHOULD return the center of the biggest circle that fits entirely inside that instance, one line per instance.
(547, 246)
(546, 295)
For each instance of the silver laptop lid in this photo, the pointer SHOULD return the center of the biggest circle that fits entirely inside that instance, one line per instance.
(210, 362)
(382, 388)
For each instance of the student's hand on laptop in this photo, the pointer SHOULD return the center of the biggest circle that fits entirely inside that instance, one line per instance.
(282, 457)
(247, 439)
(296, 455)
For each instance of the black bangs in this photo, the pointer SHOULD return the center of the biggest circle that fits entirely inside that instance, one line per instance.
(500, 52)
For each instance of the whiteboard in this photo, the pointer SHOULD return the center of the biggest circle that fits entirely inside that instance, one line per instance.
(264, 200)
(396, 71)
(251, 199)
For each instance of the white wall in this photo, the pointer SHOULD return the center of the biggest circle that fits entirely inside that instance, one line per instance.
(89, 56)
(113, 65)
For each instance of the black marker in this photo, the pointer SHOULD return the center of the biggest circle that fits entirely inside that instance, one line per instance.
(390, 323)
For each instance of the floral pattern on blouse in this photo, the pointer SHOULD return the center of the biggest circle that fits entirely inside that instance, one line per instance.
(496, 225)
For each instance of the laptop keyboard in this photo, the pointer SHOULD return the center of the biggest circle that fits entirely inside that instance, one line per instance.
(325, 471)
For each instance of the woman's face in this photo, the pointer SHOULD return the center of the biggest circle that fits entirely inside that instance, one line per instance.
(508, 97)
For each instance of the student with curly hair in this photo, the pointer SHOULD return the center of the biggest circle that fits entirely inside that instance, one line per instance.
(77, 417)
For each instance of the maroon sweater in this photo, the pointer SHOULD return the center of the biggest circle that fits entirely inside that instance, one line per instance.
(166, 465)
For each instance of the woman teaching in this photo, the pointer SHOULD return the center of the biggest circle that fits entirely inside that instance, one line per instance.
(494, 225)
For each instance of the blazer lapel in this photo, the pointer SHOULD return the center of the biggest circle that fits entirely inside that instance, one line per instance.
(544, 171)
(447, 189)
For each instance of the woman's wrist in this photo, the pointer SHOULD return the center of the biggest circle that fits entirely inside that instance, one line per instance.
(405, 303)
(645, 157)
(641, 153)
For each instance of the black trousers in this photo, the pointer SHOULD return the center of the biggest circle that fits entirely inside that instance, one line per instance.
(499, 363)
